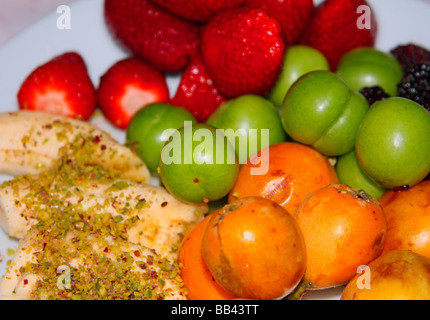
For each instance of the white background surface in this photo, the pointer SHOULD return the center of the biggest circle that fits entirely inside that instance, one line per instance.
(22, 49)
(16, 15)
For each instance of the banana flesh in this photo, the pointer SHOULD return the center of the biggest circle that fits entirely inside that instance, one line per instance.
(162, 220)
(141, 270)
(33, 141)
(69, 173)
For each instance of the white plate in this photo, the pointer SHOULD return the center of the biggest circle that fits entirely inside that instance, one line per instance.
(400, 22)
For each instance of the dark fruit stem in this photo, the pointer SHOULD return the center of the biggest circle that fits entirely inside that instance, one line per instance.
(299, 291)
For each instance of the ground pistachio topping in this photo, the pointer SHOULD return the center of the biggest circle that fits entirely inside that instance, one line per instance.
(111, 272)
(88, 241)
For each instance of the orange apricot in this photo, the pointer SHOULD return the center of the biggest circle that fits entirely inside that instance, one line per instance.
(343, 228)
(195, 274)
(254, 249)
(394, 275)
(294, 171)
(408, 218)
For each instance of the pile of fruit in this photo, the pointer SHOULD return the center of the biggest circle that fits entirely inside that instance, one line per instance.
(341, 135)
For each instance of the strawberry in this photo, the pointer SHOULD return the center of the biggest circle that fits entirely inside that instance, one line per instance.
(126, 87)
(60, 86)
(242, 50)
(197, 10)
(292, 15)
(196, 91)
(334, 29)
(152, 33)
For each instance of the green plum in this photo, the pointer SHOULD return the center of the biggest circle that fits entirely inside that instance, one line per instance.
(146, 128)
(251, 122)
(198, 164)
(349, 172)
(321, 111)
(392, 144)
(298, 60)
(369, 67)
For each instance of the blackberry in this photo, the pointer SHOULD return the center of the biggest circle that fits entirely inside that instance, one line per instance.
(373, 94)
(415, 84)
(411, 54)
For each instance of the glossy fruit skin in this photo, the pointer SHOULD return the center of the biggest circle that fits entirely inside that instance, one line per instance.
(152, 33)
(369, 67)
(298, 60)
(395, 275)
(144, 133)
(408, 219)
(294, 171)
(191, 176)
(239, 69)
(349, 172)
(127, 86)
(333, 29)
(64, 76)
(392, 142)
(197, 278)
(196, 91)
(292, 15)
(343, 229)
(320, 110)
(244, 259)
(249, 112)
(197, 10)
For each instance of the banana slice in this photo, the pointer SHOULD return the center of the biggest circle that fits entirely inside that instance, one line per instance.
(33, 141)
(147, 215)
(88, 267)
(81, 202)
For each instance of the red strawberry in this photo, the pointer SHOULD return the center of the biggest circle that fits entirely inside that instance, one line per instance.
(334, 30)
(126, 87)
(292, 15)
(243, 51)
(60, 86)
(152, 33)
(196, 91)
(197, 10)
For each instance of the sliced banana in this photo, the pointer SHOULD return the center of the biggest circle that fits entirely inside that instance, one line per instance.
(80, 199)
(105, 269)
(161, 220)
(33, 141)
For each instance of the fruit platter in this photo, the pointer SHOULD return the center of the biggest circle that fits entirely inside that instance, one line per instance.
(217, 150)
